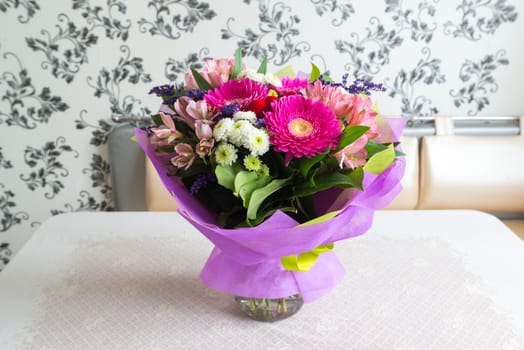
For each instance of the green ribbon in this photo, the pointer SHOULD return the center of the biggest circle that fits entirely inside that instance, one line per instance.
(304, 261)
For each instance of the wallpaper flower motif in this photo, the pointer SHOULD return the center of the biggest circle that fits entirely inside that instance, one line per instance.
(70, 75)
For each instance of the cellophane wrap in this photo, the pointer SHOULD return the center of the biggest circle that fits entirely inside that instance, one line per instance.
(247, 261)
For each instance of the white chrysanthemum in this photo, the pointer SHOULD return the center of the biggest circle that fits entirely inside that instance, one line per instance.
(247, 115)
(253, 75)
(257, 142)
(272, 79)
(239, 132)
(226, 154)
(222, 129)
(268, 78)
(252, 163)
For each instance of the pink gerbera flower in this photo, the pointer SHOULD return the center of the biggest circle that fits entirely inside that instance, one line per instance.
(300, 127)
(242, 92)
(291, 86)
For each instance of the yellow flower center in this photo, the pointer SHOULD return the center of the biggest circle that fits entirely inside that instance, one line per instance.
(300, 127)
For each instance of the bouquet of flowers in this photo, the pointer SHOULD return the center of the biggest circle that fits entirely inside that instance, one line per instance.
(273, 169)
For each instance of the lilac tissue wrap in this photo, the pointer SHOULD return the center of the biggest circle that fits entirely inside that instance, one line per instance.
(246, 261)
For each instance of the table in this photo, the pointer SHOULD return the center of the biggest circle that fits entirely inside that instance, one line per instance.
(449, 279)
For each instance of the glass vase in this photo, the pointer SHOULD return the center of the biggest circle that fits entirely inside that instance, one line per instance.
(270, 310)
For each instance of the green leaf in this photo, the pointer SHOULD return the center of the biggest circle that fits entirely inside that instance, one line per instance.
(201, 82)
(357, 177)
(315, 73)
(380, 161)
(226, 175)
(327, 78)
(373, 147)
(264, 215)
(305, 164)
(246, 182)
(350, 135)
(263, 66)
(243, 177)
(287, 71)
(156, 119)
(322, 218)
(328, 180)
(259, 195)
(237, 68)
(247, 190)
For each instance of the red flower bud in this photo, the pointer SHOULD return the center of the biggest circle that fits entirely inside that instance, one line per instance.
(257, 106)
(269, 100)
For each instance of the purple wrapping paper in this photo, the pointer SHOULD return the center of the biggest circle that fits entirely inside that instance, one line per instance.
(246, 261)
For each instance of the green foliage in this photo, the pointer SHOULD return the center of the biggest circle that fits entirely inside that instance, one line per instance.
(156, 119)
(324, 181)
(226, 176)
(315, 73)
(305, 164)
(259, 195)
(201, 82)
(246, 182)
(262, 69)
(350, 135)
(237, 68)
(380, 161)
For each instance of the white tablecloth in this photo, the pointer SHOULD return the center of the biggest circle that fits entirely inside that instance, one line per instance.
(416, 280)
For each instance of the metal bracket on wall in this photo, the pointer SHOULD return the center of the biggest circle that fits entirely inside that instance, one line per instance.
(467, 125)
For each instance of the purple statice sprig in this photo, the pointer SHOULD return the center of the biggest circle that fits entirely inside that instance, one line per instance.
(163, 90)
(361, 86)
(201, 182)
(227, 112)
(170, 93)
(358, 86)
(196, 94)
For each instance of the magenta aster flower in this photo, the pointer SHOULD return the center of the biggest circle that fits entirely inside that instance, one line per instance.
(291, 86)
(242, 92)
(300, 127)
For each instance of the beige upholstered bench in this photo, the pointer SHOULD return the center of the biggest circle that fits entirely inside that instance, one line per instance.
(157, 197)
(449, 171)
(473, 172)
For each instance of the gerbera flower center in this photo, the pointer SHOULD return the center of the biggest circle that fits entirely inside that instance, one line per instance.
(300, 127)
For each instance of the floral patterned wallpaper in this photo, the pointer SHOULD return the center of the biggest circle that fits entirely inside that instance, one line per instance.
(69, 70)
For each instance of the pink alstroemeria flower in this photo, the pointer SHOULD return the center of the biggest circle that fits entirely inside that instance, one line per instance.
(334, 97)
(164, 135)
(203, 148)
(205, 134)
(362, 113)
(353, 109)
(185, 156)
(354, 154)
(216, 72)
(203, 130)
(190, 111)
